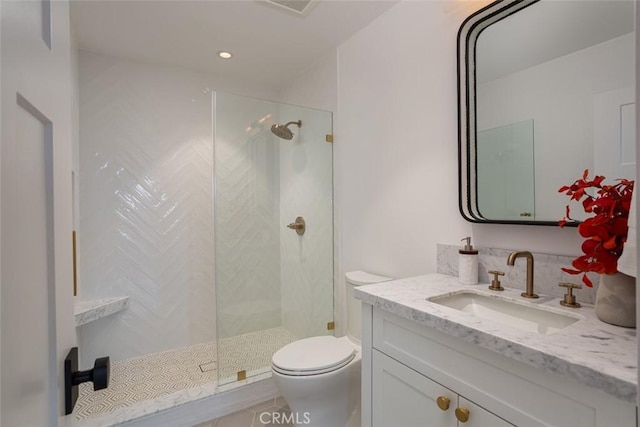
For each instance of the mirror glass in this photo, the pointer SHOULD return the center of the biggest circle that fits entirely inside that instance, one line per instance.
(546, 91)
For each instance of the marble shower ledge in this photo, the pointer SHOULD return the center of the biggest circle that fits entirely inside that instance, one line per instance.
(589, 351)
(90, 310)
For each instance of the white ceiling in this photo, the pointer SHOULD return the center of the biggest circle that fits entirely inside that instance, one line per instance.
(271, 45)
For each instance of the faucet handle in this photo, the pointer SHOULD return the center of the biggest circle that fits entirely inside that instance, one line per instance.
(569, 299)
(495, 283)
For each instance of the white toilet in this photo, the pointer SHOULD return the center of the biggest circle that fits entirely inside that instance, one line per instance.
(319, 377)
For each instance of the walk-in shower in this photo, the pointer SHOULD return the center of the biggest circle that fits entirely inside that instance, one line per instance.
(191, 225)
(273, 286)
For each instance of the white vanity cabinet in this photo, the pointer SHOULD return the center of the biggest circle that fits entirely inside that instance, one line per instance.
(407, 366)
(403, 397)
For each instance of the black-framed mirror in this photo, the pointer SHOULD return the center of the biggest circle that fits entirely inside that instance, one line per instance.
(545, 91)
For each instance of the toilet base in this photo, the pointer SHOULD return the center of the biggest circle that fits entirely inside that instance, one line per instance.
(329, 399)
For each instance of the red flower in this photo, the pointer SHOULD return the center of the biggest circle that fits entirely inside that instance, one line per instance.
(606, 231)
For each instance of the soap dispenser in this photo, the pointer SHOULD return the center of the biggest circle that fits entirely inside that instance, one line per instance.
(468, 264)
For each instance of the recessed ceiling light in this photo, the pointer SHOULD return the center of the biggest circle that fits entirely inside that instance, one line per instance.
(225, 55)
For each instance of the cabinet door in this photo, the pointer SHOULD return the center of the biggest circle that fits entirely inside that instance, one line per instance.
(480, 417)
(403, 397)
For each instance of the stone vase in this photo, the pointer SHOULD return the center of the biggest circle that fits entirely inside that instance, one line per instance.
(616, 300)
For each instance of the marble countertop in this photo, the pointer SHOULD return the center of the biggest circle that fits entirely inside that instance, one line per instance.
(590, 351)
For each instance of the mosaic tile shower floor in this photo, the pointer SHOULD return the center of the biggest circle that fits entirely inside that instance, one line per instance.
(159, 374)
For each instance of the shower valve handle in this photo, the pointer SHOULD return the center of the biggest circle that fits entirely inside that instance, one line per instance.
(299, 226)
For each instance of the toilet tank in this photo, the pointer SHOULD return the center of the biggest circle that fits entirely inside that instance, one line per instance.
(354, 306)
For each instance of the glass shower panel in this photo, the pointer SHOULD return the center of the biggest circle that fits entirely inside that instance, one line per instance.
(273, 285)
(506, 188)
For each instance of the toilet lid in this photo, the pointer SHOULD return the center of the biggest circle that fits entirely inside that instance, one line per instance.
(314, 355)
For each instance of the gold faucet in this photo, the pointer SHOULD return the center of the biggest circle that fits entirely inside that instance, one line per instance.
(512, 261)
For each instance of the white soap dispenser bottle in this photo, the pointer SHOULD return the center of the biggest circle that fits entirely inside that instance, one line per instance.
(468, 264)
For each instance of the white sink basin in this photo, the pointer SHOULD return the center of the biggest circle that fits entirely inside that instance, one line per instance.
(510, 312)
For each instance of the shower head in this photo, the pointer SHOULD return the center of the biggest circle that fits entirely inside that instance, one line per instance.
(283, 131)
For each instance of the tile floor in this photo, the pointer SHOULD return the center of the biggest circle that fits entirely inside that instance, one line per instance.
(270, 413)
(149, 377)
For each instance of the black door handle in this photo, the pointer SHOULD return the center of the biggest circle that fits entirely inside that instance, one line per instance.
(99, 375)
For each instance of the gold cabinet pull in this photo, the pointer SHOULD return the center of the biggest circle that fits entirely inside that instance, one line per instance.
(443, 402)
(462, 414)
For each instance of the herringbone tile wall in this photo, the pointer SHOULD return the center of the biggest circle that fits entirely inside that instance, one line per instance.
(146, 214)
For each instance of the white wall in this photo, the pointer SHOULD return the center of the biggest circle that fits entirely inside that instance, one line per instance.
(317, 87)
(564, 129)
(397, 155)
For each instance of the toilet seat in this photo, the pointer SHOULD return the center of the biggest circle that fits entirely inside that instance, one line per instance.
(313, 356)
